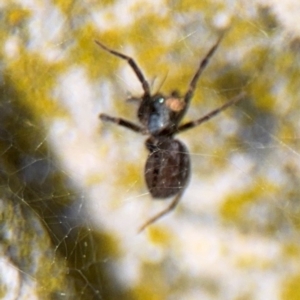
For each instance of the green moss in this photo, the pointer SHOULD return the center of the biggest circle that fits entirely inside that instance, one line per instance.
(34, 79)
(236, 206)
(291, 288)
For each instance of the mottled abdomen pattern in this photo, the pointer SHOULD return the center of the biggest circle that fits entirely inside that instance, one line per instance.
(167, 168)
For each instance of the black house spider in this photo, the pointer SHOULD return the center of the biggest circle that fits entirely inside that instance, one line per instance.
(167, 168)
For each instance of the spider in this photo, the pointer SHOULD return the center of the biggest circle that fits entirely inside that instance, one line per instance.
(167, 168)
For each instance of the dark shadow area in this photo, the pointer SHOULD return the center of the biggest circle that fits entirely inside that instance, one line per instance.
(39, 203)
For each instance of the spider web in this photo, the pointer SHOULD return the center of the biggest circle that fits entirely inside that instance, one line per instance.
(73, 193)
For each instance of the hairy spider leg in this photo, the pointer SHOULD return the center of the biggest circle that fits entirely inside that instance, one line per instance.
(192, 124)
(123, 123)
(190, 92)
(133, 65)
(172, 205)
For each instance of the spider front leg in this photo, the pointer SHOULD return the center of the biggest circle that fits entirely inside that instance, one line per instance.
(203, 63)
(122, 122)
(132, 64)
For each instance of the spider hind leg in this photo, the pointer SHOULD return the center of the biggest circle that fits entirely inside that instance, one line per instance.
(156, 217)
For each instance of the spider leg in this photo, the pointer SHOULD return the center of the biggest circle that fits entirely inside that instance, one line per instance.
(123, 123)
(133, 65)
(213, 113)
(203, 63)
(172, 205)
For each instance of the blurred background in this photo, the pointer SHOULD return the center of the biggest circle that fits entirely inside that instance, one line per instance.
(72, 187)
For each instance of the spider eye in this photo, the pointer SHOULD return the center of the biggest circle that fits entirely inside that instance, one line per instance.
(161, 100)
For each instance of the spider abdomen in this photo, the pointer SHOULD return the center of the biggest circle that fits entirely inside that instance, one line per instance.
(167, 168)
